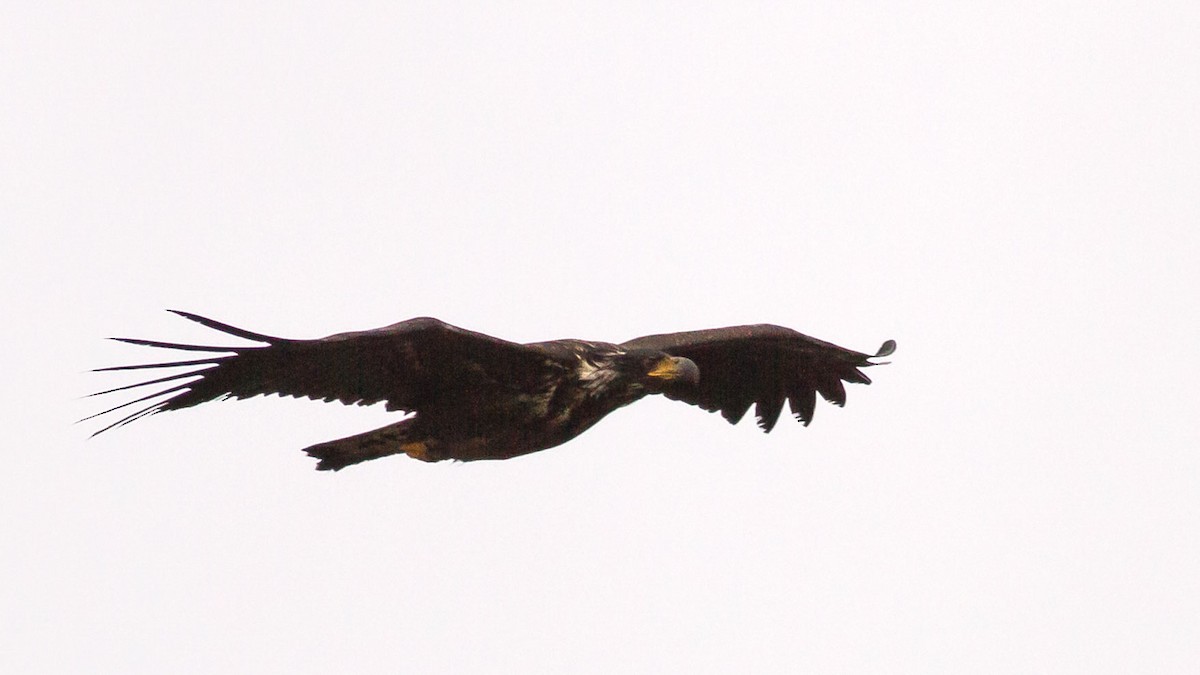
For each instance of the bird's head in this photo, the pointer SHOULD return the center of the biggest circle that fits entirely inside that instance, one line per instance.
(656, 370)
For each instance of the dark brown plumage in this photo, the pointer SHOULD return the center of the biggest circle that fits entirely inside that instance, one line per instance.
(479, 397)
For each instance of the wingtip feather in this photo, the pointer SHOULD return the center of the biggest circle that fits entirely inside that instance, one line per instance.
(226, 328)
(886, 349)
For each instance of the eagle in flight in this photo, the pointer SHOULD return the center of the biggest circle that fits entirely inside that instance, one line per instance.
(479, 397)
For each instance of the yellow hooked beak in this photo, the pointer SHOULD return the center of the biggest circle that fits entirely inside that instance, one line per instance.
(676, 368)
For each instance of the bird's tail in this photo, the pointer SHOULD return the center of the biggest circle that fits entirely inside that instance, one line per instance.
(393, 439)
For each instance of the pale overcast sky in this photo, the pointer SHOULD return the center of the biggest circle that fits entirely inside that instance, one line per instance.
(1009, 190)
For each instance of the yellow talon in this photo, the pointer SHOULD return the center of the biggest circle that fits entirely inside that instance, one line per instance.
(418, 450)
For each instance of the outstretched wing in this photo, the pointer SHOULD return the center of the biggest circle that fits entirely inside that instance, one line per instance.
(408, 365)
(761, 365)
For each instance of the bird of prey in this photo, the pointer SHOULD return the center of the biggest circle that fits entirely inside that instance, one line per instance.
(478, 397)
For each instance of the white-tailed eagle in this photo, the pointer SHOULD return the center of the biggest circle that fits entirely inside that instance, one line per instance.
(479, 397)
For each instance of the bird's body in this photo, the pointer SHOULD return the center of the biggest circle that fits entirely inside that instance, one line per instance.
(478, 397)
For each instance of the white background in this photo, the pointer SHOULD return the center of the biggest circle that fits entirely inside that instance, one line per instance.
(1009, 190)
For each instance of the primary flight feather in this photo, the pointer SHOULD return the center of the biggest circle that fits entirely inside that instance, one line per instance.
(479, 397)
